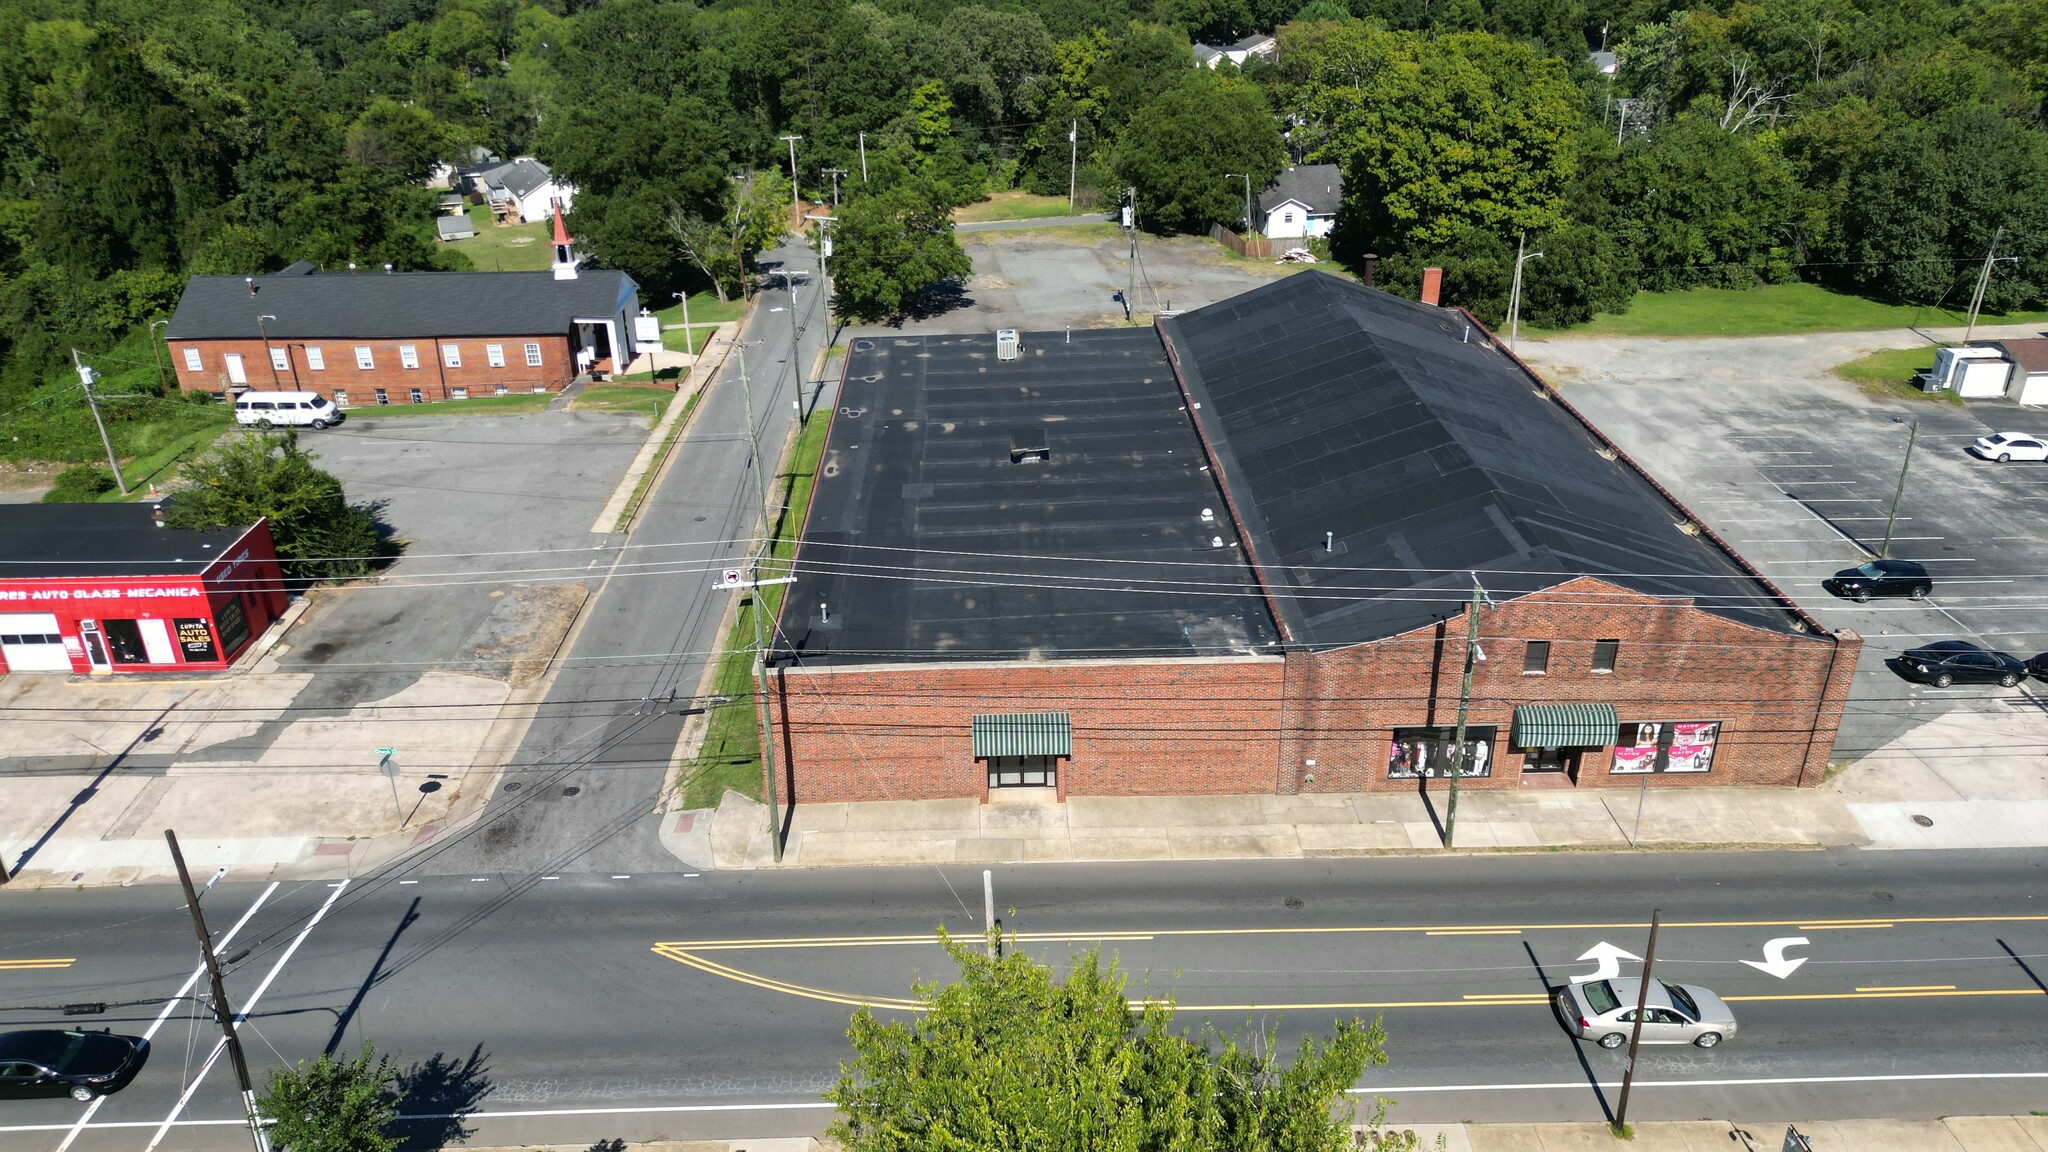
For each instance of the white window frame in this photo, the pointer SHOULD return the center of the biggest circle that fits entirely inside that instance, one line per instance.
(281, 359)
(495, 354)
(416, 396)
(192, 362)
(365, 359)
(341, 397)
(451, 355)
(458, 392)
(315, 358)
(533, 355)
(409, 355)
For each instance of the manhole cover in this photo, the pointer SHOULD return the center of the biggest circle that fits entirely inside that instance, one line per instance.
(1294, 901)
(1924, 821)
(1882, 897)
(571, 790)
(514, 786)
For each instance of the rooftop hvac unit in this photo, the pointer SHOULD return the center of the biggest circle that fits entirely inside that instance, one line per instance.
(1006, 344)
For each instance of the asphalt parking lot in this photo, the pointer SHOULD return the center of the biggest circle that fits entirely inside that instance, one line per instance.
(1046, 279)
(1797, 468)
(495, 511)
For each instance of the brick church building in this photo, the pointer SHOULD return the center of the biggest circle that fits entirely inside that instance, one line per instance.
(1241, 553)
(364, 337)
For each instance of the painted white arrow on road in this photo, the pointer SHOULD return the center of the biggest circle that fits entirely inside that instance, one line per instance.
(1609, 959)
(1774, 961)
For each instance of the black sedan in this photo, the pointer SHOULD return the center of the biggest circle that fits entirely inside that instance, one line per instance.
(2038, 665)
(1945, 663)
(1881, 578)
(51, 1063)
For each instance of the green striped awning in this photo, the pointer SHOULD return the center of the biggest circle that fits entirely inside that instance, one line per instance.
(1025, 734)
(1565, 726)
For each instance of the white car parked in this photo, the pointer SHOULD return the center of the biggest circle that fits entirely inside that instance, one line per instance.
(2004, 446)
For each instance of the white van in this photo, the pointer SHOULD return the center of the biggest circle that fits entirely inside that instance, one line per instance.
(278, 409)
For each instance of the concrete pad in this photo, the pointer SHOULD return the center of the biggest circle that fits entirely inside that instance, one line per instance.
(1503, 1137)
(1376, 807)
(1991, 1134)
(1515, 834)
(1422, 834)
(1251, 843)
(958, 815)
(1162, 811)
(1880, 1136)
(2036, 1128)
(987, 850)
(1154, 847)
(1476, 834)
(1331, 839)
(1311, 809)
(1003, 819)
(830, 817)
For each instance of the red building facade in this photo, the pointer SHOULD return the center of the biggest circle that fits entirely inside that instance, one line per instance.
(362, 372)
(111, 592)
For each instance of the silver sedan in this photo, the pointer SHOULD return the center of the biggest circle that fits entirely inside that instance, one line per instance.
(1605, 1011)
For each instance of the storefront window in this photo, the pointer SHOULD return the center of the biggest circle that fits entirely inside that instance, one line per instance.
(233, 626)
(1419, 752)
(195, 640)
(1667, 746)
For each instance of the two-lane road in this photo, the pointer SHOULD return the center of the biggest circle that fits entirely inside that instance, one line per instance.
(715, 1005)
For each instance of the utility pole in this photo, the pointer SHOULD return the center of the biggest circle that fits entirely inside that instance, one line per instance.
(1458, 749)
(1635, 1036)
(1621, 126)
(796, 346)
(795, 201)
(863, 157)
(688, 344)
(267, 353)
(825, 265)
(760, 636)
(1984, 280)
(835, 174)
(87, 378)
(157, 353)
(1131, 228)
(221, 1011)
(1073, 159)
(1247, 199)
(1515, 293)
(1884, 551)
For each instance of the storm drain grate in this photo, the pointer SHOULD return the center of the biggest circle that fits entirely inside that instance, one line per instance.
(1924, 821)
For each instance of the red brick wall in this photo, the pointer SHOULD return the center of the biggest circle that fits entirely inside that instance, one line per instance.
(1140, 728)
(1249, 725)
(433, 377)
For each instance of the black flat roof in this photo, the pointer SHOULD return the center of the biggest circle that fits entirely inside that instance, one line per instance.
(43, 540)
(1335, 408)
(931, 534)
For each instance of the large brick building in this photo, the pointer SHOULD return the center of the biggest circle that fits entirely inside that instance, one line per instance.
(1237, 554)
(365, 337)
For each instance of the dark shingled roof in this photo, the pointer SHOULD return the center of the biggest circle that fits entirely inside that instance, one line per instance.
(523, 177)
(44, 540)
(371, 304)
(1332, 407)
(1320, 186)
(926, 539)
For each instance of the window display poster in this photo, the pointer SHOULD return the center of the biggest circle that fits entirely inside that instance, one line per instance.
(1426, 752)
(195, 640)
(1660, 746)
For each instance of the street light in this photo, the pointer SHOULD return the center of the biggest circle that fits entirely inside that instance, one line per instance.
(156, 353)
(267, 353)
(796, 344)
(689, 345)
(1991, 258)
(1247, 199)
(1515, 293)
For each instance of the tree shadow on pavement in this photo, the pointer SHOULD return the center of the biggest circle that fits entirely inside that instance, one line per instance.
(436, 1096)
(1578, 1049)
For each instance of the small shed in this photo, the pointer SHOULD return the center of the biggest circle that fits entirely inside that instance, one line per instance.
(455, 227)
(2029, 384)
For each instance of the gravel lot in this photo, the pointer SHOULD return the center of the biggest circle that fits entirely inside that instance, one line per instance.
(1796, 468)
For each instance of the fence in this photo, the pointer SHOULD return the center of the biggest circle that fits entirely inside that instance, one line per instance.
(1243, 247)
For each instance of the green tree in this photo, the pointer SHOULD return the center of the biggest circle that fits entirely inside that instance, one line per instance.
(331, 1105)
(402, 139)
(1077, 1067)
(892, 245)
(1179, 150)
(723, 248)
(1708, 207)
(318, 533)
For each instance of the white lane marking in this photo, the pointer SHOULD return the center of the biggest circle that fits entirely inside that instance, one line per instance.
(254, 998)
(1731, 1082)
(479, 879)
(622, 877)
(551, 877)
(170, 1006)
(408, 881)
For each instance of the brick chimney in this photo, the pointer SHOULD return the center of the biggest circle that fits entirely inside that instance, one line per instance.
(1432, 285)
(1369, 259)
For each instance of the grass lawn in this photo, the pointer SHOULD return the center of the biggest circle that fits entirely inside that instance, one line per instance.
(706, 311)
(1888, 374)
(520, 248)
(1776, 309)
(650, 402)
(731, 753)
(517, 402)
(1017, 206)
(1100, 230)
(156, 465)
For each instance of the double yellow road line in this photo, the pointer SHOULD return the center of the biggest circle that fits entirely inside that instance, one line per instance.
(37, 965)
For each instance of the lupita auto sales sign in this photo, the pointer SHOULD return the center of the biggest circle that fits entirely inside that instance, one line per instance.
(196, 639)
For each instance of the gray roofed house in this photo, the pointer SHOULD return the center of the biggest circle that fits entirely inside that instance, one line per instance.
(527, 187)
(1260, 44)
(1302, 201)
(1336, 408)
(456, 227)
(309, 304)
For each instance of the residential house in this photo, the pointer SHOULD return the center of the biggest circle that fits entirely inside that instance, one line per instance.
(1259, 44)
(1302, 201)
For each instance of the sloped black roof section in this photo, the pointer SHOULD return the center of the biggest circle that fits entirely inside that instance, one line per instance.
(1336, 408)
(1320, 186)
(1045, 507)
(47, 540)
(376, 304)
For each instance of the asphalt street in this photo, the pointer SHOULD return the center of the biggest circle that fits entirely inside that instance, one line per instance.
(525, 1009)
(580, 795)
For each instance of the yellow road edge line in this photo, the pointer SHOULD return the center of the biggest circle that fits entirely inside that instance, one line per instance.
(1887, 995)
(1802, 925)
(1909, 988)
(1508, 997)
(786, 987)
(1473, 932)
(24, 965)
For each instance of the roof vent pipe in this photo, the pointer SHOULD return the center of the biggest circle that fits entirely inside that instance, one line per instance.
(1208, 516)
(1329, 541)
(387, 269)
(1370, 259)
(824, 612)
(157, 511)
(251, 282)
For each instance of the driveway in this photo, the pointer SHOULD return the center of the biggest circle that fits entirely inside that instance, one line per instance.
(1797, 468)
